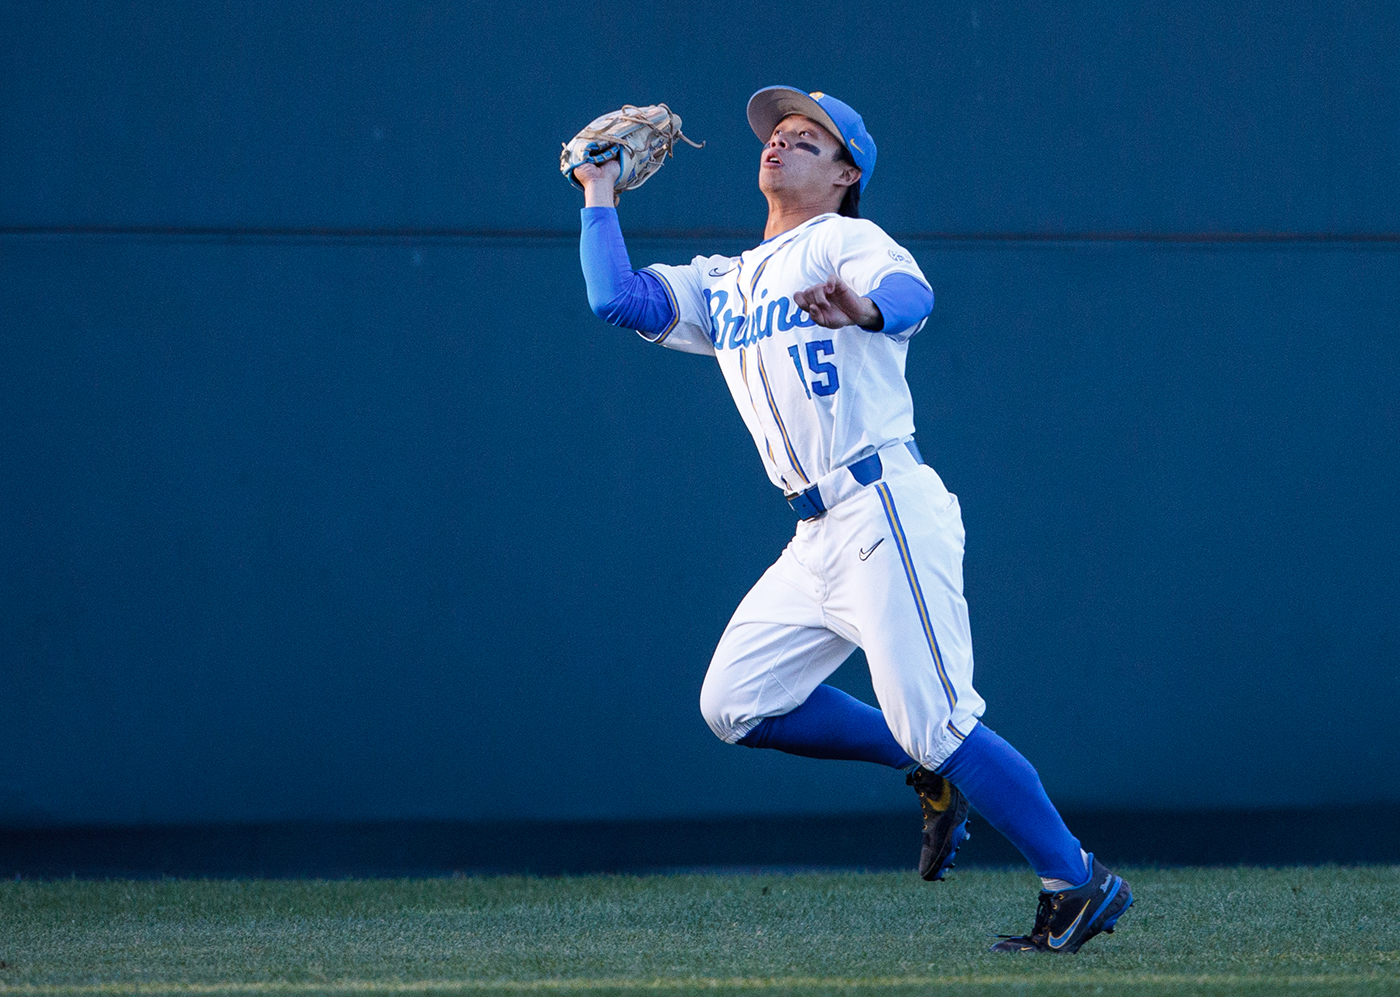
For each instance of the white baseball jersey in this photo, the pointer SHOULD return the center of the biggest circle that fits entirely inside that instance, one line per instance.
(813, 398)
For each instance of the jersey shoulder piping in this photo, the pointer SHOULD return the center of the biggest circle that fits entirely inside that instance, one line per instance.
(675, 309)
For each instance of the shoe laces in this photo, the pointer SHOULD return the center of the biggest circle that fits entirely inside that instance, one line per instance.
(933, 801)
(1044, 911)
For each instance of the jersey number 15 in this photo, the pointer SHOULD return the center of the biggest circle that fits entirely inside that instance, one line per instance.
(820, 368)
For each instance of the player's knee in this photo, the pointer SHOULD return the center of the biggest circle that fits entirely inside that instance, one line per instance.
(716, 706)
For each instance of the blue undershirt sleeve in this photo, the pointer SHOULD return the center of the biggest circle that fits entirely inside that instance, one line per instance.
(903, 300)
(618, 294)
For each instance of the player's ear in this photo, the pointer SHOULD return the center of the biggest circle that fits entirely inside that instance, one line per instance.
(849, 174)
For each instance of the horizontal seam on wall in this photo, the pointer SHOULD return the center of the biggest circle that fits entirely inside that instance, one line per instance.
(312, 234)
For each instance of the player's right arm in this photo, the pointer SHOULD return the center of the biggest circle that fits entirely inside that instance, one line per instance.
(664, 308)
(598, 182)
(617, 294)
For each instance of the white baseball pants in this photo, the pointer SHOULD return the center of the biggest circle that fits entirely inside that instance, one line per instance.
(882, 570)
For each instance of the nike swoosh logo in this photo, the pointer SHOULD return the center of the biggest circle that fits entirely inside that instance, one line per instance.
(945, 797)
(866, 553)
(717, 272)
(1058, 942)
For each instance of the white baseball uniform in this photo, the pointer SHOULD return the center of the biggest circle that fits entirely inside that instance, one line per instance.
(882, 568)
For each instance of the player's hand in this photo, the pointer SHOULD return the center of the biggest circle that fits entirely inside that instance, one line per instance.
(833, 305)
(598, 182)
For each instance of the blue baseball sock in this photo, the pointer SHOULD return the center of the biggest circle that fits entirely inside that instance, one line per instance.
(831, 724)
(1005, 789)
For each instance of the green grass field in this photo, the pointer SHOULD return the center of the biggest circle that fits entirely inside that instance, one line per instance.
(1246, 931)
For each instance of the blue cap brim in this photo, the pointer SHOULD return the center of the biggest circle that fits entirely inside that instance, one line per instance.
(772, 104)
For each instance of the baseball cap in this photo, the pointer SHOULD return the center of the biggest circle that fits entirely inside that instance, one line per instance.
(772, 104)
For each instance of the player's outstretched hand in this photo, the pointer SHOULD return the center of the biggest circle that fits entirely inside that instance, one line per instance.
(833, 305)
(598, 181)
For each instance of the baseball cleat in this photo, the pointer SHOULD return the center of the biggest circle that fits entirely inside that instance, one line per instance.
(945, 822)
(1066, 919)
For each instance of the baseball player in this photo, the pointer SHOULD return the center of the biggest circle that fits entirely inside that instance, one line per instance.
(810, 329)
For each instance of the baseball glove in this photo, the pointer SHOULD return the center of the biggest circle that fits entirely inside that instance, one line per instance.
(640, 138)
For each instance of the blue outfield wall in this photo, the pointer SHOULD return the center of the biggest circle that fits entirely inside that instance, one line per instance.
(291, 534)
(1005, 116)
(324, 497)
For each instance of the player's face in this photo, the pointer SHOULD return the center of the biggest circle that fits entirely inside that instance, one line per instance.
(800, 159)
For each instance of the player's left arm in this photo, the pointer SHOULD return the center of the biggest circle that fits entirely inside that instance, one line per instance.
(834, 304)
(898, 303)
(875, 283)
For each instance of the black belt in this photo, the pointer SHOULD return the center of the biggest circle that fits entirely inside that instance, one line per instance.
(867, 470)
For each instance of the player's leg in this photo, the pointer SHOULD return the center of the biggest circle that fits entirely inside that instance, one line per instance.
(906, 600)
(831, 724)
(763, 688)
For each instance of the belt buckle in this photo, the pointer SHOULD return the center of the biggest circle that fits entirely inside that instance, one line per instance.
(808, 504)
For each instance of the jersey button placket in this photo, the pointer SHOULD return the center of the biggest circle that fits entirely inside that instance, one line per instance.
(765, 376)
